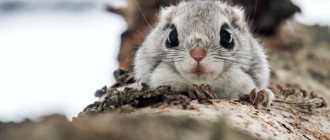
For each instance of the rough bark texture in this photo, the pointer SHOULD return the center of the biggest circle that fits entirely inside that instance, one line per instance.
(295, 114)
(137, 113)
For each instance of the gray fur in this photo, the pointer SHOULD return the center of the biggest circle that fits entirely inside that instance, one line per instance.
(198, 24)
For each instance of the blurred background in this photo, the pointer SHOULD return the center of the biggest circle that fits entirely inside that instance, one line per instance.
(54, 54)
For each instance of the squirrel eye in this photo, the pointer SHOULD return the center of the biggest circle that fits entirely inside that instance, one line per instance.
(172, 39)
(226, 37)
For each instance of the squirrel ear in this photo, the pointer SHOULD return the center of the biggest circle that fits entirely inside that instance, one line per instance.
(166, 14)
(236, 17)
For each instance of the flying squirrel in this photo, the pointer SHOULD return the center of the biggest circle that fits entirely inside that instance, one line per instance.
(205, 43)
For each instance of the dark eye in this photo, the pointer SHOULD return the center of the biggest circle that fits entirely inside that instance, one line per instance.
(172, 39)
(226, 37)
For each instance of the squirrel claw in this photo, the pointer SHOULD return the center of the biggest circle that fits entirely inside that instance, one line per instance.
(202, 92)
(262, 97)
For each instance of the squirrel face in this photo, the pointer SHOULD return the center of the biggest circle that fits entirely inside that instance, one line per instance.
(199, 56)
(205, 43)
(197, 41)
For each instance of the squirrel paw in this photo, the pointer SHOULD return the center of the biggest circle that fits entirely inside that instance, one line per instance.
(262, 97)
(202, 92)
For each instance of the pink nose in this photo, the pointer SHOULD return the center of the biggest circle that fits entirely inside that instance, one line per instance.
(198, 53)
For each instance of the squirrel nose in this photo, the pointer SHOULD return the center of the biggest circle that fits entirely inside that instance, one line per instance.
(198, 53)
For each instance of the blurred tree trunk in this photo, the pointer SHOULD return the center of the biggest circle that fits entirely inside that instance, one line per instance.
(140, 16)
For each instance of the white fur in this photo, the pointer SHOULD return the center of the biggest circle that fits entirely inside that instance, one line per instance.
(198, 24)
